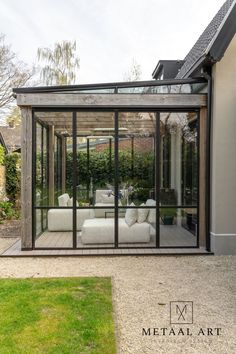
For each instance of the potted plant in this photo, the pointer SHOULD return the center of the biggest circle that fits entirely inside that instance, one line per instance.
(167, 215)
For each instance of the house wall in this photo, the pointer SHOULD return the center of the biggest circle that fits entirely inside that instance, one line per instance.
(223, 186)
(140, 145)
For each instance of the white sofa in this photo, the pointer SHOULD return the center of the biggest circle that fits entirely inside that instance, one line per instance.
(62, 219)
(102, 231)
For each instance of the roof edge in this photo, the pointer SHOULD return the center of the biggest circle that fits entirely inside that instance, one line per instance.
(207, 50)
(129, 84)
(228, 35)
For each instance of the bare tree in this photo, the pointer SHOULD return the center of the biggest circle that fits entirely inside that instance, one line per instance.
(14, 117)
(134, 73)
(13, 73)
(61, 63)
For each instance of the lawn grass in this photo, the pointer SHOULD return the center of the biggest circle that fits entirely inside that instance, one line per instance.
(56, 315)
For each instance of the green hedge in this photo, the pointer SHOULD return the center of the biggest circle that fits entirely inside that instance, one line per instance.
(2, 155)
(101, 171)
(12, 163)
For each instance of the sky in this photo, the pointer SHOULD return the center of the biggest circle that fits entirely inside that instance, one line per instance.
(110, 34)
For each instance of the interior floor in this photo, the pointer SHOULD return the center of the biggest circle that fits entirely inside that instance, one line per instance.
(170, 236)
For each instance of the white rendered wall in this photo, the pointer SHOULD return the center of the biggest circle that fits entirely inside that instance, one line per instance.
(223, 182)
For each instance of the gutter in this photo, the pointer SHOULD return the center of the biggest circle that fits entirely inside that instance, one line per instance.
(208, 76)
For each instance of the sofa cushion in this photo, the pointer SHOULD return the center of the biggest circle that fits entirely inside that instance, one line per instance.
(70, 202)
(62, 219)
(142, 214)
(63, 200)
(98, 194)
(107, 199)
(131, 216)
(99, 231)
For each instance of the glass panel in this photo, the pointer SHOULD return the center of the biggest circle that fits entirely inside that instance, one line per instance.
(39, 165)
(58, 167)
(54, 228)
(95, 159)
(53, 154)
(179, 158)
(178, 227)
(137, 226)
(95, 227)
(137, 137)
(136, 157)
(107, 90)
(183, 88)
(95, 186)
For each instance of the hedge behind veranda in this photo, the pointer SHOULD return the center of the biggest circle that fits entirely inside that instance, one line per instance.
(12, 164)
(141, 171)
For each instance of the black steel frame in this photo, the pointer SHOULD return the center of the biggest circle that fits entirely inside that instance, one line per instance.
(116, 207)
(109, 85)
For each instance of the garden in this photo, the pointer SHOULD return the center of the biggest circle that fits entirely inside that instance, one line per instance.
(10, 194)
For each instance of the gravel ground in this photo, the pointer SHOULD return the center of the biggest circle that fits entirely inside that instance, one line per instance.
(142, 290)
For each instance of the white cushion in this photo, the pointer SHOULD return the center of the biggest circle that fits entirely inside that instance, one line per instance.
(70, 202)
(106, 199)
(131, 216)
(102, 231)
(142, 214)
(152, 216)
(63, 199)
(150, 202)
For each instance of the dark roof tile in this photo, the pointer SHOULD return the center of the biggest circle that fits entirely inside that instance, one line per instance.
(11, 137)
(199, 48)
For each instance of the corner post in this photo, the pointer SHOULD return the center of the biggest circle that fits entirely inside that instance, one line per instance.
(26, 178)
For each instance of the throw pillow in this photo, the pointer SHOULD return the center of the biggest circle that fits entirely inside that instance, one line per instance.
(150, 202)
(152, 216)
(131, 216)
(142, 214)
(152, 212)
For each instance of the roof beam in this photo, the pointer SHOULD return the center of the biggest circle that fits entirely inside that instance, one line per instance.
(111, 100)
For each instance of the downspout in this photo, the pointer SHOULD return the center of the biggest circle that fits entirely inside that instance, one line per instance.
(208, 75)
